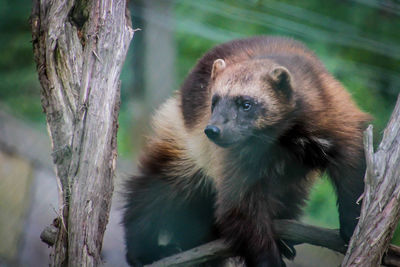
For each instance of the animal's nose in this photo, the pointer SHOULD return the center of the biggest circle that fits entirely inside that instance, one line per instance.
(212, 132)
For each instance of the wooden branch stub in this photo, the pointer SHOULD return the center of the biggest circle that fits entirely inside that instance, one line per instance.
(369, 155)
(49, 235)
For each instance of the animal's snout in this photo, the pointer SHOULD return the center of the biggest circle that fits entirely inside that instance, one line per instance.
(212, 132)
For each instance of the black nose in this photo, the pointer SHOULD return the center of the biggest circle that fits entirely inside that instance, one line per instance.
(212, 132)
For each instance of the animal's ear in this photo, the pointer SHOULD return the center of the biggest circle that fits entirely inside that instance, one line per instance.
(217, 67)
(281, 80)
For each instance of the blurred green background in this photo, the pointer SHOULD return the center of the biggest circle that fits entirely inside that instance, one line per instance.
(358, 41)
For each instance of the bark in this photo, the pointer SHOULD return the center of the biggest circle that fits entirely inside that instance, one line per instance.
(294, 231)
(381, 208)
(79, 48)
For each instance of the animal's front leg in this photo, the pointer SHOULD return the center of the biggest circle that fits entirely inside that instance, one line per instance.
(247, 227)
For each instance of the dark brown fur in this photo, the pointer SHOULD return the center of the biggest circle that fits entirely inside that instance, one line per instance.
(197, 191)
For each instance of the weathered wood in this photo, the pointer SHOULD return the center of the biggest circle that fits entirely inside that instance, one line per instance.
(79, 48)
(381, 208)
(299, 233)
(35, 149)
(294, 231)
(49, 235)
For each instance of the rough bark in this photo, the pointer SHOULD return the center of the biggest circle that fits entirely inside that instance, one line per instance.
(79, 48)
(381, 208)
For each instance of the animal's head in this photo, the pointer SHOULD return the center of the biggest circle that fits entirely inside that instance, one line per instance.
(250, 99)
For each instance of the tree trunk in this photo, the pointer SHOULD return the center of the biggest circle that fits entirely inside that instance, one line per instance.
(381, 208)
(79, 48)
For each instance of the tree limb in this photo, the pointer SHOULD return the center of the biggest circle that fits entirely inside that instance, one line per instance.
(294, 231)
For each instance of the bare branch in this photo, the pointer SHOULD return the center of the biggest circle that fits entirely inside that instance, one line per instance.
(294, 231)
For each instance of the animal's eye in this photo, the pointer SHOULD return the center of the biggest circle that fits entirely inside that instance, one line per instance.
(246, 105)
(214, 101)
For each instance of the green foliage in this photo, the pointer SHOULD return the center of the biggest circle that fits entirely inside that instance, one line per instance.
(124, 135)
(19, 85)
(321, 208)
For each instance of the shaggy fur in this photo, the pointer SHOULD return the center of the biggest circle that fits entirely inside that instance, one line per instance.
(283, 120)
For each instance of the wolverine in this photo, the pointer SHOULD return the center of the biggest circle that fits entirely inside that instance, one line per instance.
(254, 124)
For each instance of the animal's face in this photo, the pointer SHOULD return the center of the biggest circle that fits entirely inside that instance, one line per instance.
(247, 100)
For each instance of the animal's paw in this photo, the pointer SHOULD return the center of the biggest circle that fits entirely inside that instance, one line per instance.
(287, 249)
